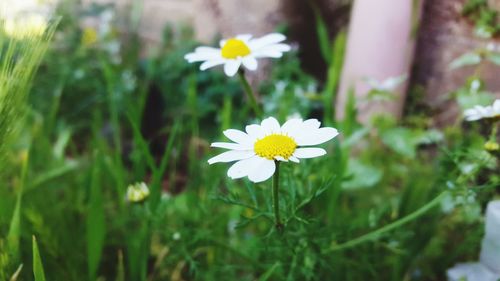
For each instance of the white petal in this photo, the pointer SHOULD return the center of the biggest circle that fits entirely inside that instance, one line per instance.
(244, 37)
(205, 54)
(250, 63)
(229, 145)
(231, 67)
(496, 106)
(211, 63)
(230, 156)
(267, 54)
(311, 124)
(309, 152)
(255, 131)
(264, 170)
(270, 125)
(280, 158)
(291, 125)
(294, 159)
(471, 115)
(269, 39)
(205, 49)
(276, 48)
(315, 137)
(237, 136)
(243, 168)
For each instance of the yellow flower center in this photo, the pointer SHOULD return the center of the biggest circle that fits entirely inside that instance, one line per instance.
(275, 145)
(234, 48)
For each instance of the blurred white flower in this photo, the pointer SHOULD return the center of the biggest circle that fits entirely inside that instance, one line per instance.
(257, 149)
(240, 50)
(387, 85)
(176, 236)
(137, 192)
(479, 112)
(471, 272)
(488, 269)
(28, 26)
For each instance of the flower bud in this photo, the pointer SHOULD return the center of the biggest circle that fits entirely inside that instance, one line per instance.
(137, 192)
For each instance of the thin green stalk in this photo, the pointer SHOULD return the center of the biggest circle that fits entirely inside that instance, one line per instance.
(276, 199)
(494, 130)
(250, 94)
(375, 234)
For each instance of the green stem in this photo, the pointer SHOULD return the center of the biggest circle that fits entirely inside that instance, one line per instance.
(276, 199)
(375, 234)
(250, 94)
(494, 130)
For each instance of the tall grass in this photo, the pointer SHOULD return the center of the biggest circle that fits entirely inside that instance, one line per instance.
(23, 43)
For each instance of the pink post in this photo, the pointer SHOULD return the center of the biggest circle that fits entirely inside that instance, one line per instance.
(380, 45)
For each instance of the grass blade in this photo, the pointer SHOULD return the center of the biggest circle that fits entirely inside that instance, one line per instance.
(322, 32)
(16, 274)
(38, 271)
(14, 234)
(95, 223)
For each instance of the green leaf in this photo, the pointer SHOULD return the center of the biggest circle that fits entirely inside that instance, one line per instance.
(401, 140)
(466, 100)
(95, 223)
(322, 33)
(362, 175)
(15, 229)
(270, 271)
(14, 234)
(465, 60)
(38, 271)
(333, 75)
(494, 58)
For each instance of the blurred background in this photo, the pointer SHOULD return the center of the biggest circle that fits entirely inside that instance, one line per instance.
(415, 38)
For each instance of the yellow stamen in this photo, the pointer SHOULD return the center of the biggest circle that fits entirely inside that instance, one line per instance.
(275, 145)
(234, 48)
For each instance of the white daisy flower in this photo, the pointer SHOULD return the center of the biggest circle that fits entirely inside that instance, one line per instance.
(137, 192)
(240, 50)
(483, 112)
(257, 149)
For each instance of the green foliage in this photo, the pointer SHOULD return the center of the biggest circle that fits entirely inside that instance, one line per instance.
(485, 18)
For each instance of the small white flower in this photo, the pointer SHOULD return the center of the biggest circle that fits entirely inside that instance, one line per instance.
(387, 85)
(176, 236)
(257, 149)
(240, 50)
(483, 112)
(137, 192)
